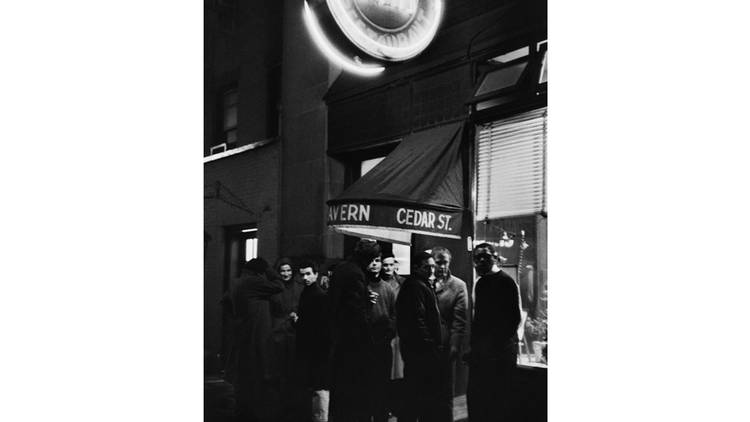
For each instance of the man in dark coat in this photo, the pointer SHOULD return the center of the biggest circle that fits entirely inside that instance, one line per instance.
(353, 344)
(494, 340)
(418, 321)
(249, 358)
(313, 343)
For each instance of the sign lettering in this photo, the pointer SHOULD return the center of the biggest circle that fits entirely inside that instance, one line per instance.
(377, 215)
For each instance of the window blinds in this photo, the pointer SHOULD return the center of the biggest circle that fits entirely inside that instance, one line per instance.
(511, 179)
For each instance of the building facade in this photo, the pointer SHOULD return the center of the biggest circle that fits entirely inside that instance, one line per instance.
(289, 135)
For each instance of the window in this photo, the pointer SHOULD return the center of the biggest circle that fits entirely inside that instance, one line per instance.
(516, 76)
(242, 246)
(402, 253)
(497, 80)
(510, 210)
(251, 243)
(511, 166)
(368, 165)
(229, 116)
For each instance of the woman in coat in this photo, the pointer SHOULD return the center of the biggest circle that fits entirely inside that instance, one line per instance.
(248, 362)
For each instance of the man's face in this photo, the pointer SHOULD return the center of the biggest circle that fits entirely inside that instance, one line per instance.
(286, 272)
(389, 265)
(442, 265)
(426, 268)
(374, 266)
(308, 275)
(483, 261)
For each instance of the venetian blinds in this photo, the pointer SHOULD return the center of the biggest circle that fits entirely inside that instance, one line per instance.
(511, 166)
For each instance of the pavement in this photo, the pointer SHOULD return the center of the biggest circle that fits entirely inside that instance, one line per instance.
(219, 405)
(218, 400)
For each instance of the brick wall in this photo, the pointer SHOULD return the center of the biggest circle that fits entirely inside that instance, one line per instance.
(249, 179)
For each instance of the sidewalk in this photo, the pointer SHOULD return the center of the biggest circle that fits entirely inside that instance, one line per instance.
(218, 400)
(218, 404)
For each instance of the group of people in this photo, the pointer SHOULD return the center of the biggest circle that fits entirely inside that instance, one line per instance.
(363, 343)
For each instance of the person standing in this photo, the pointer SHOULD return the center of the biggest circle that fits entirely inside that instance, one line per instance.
(494, 340)
(313, 343)
(395, 390)
(383, 321)
(418, 322)
(452, 299)
(388, 274)
(284, 311)
(249, 358)
(352, 341)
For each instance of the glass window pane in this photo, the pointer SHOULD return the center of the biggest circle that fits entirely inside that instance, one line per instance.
(510, 182)
(543, 73)
(501, 78)
(513, 55)
(368, 165)
(251, 249)
(516, 242)
(402, 253)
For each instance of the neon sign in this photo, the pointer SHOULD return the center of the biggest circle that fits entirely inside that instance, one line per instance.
(387, 30)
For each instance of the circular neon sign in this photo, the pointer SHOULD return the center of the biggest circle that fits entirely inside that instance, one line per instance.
(392, 30)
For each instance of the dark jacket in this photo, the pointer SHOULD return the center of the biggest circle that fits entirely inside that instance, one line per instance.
(453, 303)
(250, 355)
(497, 314)
(350, 308)
(313, 329)
(352, 343)
(418, 321)
(313, 336)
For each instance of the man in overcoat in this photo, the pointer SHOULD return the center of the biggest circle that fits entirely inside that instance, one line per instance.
(494, 340)
(249, 359)
(453, 304)
(353, 342)
(418, 322)
(313, 343)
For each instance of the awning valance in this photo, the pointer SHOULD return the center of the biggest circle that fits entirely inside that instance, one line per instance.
(417, 188)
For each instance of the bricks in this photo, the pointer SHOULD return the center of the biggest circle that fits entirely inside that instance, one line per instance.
(250, 178)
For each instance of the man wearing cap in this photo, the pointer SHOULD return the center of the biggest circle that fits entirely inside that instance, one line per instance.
(494, 340)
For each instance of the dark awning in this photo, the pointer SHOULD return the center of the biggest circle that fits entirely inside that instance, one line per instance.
(417, 188)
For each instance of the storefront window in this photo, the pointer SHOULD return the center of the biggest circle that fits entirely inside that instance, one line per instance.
(511, 214)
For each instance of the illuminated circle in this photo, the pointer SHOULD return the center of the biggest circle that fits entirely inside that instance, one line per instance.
(389, 16)
(334, 55)
(392, 30)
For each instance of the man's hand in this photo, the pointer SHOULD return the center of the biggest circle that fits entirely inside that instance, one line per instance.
(373, 297)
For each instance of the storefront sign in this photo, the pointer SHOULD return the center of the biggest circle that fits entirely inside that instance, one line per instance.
(437, 223)
(392, 30)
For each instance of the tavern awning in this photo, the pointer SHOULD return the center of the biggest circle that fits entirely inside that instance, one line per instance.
(417, 188)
